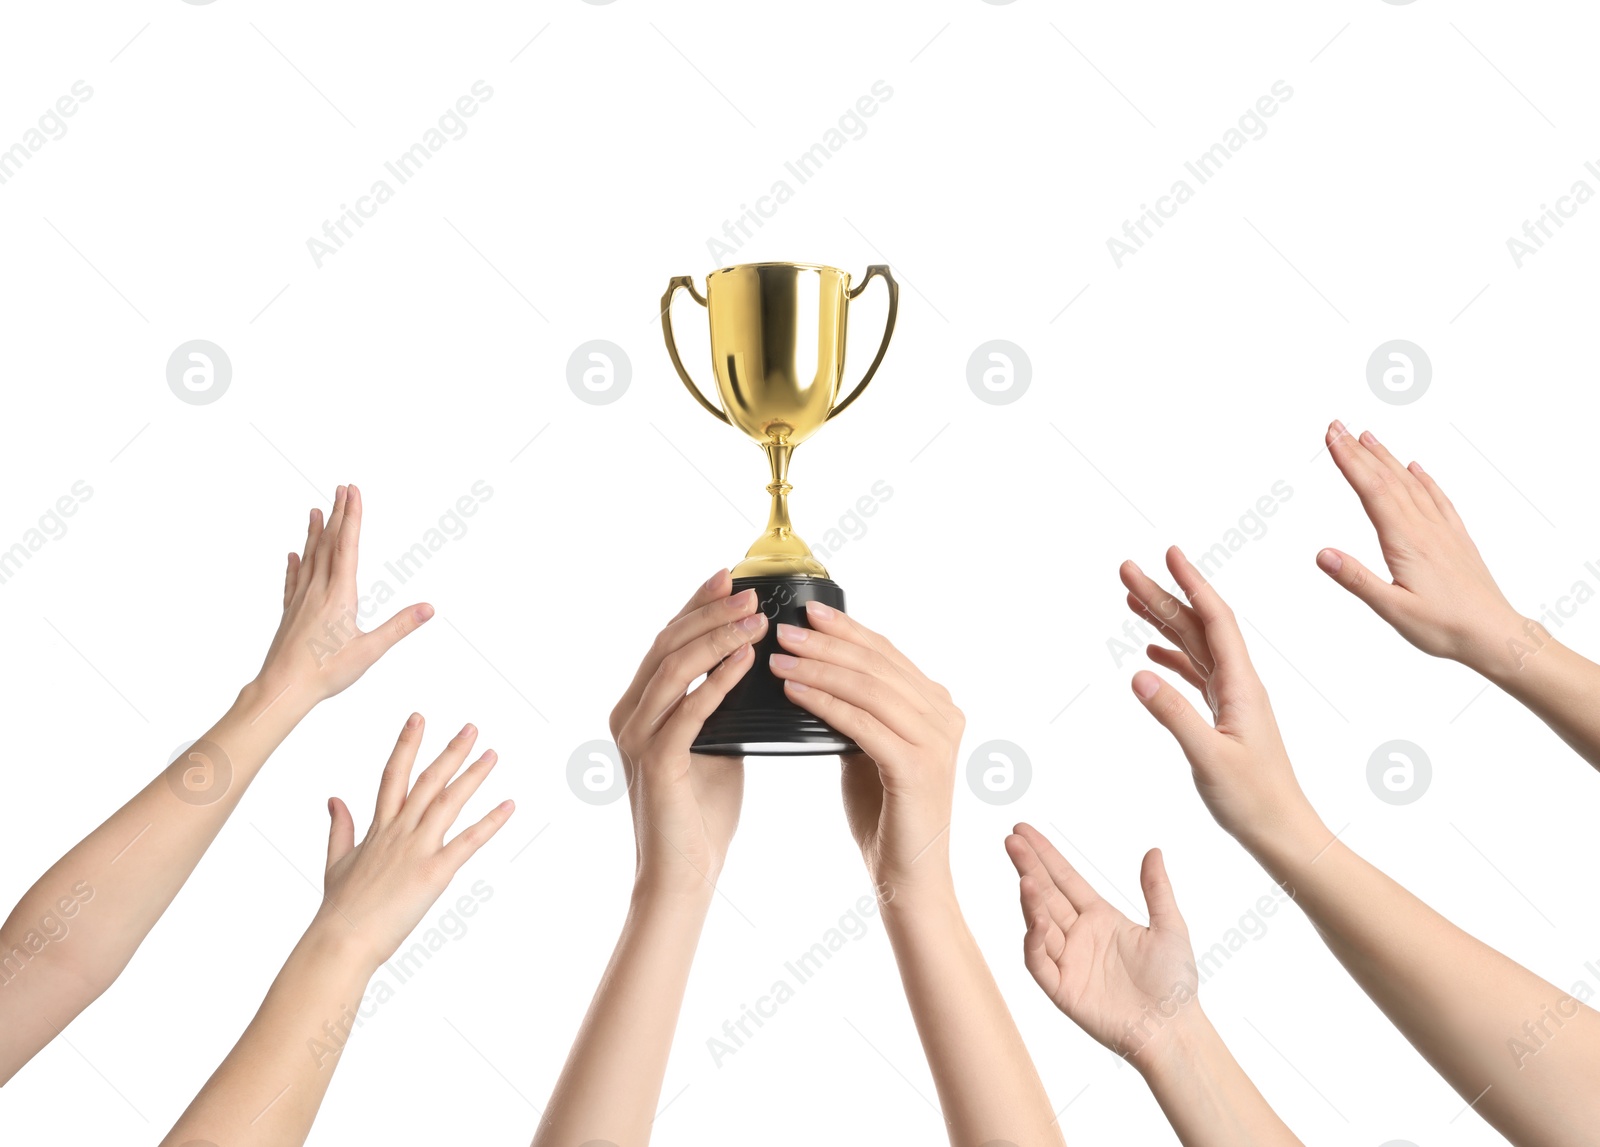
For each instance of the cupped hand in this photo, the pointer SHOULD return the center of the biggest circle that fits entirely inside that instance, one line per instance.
(1442, 599)
(319, 649)
(377, 891)
(898, 790)
(1125, 984)
(1240, 766)
(685, 804)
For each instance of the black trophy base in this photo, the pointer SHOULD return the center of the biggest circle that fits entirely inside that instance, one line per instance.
(757, 718)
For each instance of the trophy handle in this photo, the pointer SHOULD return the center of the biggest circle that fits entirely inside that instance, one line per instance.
(687, 282)
(888, 327)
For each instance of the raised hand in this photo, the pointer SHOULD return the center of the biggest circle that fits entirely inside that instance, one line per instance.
(1134, 989)
(377, 891)
(686, 805)
(1123, 983)
(267, 1091)
(319, 649)
(1442, 599)
(1240, 766)
(898, 790)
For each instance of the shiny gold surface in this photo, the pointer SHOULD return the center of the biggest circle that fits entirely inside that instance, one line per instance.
(777, 350)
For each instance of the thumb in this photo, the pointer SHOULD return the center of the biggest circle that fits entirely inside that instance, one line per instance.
(1382, 597)
(375, 644)
(341, 831)
(1168, 706)
(1158, 897)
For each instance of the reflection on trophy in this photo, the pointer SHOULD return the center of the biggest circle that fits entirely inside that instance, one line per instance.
(777, 350)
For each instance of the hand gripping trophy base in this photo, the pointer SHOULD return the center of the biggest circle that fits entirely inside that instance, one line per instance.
(757, 718)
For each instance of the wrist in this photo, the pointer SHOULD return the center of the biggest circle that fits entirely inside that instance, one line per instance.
(676, 895)
(333, 945)
(930, 902)
(1504, 652)
(1177, 1045)
(275, 700)
(1293, 840)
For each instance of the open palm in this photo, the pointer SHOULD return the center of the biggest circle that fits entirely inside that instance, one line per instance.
(1119, 981)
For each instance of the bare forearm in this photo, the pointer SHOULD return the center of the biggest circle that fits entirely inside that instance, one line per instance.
(988, 1086)
(1520, 1050)
(1203, 1091)
(1559, 686)
(611, 1083)
(268, 1089)
(73, 932)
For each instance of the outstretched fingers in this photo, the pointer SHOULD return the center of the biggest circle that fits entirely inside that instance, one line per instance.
(1037, 889)
(347, 540)
(469, 840)
(1078, 891)
(1222, 635)
(397, 772)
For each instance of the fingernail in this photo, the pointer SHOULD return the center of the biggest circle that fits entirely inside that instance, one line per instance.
(1337, 430)
(1145, 685)
(1330, 561)
(817, 609)
(489, 755)
(422, 612)
(783, 661)
(414, 720)
(1368, 438)
(506, 805)
(739, 654)
(753, 623)
(792, 633)
(744, 597)
(796, 687)
(466, 729)
(1417, 466)
(713, 579)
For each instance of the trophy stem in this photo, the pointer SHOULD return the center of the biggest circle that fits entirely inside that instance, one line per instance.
(778, 524)
(779, 551)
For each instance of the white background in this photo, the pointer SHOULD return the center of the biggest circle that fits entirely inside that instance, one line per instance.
(424, 356)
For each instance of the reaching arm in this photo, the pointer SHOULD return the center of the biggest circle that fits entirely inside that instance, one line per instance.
(1134, 989)
(1445, 602)
(268, 1090)
(1522, 1052)
(73, 932)
(897, 794)
(685, 809)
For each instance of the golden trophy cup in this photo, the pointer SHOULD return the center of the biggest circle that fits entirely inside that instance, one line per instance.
(777, 350)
